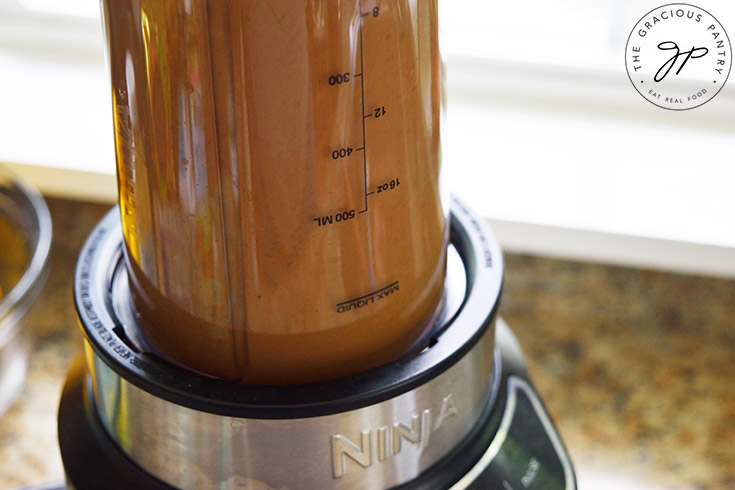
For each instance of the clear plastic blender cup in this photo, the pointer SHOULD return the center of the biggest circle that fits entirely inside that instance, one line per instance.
(279, 171)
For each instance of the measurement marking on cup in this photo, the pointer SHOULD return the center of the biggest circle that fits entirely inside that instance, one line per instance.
(367, 299)
(362, 97)
(338, 217)
(343, 151)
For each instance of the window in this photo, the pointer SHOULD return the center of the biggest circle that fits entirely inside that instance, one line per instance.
(546, 136)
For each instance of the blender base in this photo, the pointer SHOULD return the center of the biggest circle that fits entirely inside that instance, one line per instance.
(514, 446)
(460, 414)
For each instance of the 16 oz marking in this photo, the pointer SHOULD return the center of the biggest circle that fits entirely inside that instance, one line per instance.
(388, 186)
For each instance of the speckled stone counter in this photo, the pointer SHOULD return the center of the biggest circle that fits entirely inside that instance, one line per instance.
(636, 367)
(28, 448)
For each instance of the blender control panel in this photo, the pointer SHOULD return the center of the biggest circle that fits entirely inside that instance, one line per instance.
(527, 453)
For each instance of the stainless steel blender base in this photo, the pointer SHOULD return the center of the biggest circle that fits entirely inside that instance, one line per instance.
(460, 414)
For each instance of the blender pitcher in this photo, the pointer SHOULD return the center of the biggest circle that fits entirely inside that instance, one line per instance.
(279, 168)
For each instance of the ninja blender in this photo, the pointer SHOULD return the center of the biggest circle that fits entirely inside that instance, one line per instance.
(287, 296)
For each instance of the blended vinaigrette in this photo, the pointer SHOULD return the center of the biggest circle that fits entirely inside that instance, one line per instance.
(279, 180)
(14, 255)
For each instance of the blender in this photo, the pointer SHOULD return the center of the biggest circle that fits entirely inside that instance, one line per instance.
(287, 295)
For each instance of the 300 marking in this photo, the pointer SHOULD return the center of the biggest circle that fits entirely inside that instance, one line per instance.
(339, 79)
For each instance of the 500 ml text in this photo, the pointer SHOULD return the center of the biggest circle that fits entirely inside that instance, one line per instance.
(335, 218)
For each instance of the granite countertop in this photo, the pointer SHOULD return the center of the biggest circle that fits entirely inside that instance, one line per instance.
(635, 367)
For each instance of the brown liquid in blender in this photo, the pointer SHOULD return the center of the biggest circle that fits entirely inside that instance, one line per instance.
(279, 181)
(14, 256)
